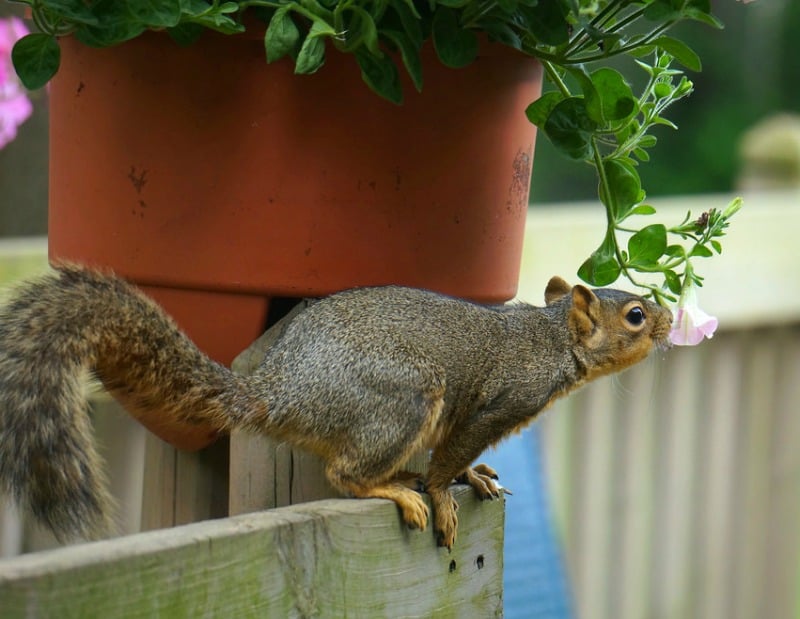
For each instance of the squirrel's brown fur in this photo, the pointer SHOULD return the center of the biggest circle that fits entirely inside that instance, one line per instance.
(363, 378)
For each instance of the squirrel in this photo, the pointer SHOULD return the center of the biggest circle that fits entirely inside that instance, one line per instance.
(363, 378)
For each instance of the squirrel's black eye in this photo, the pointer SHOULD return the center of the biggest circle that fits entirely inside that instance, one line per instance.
(635, 316)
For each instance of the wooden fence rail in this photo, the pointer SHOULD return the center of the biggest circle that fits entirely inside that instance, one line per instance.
(332, 558)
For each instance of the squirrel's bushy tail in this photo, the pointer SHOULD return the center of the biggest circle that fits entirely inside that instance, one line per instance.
(52, 332)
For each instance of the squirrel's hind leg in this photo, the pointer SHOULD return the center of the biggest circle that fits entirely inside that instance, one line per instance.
(413, 508)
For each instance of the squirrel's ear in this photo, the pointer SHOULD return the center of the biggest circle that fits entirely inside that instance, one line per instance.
(556, 289)
(581, 316)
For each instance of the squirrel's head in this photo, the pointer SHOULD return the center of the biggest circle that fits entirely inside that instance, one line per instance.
(611, 329)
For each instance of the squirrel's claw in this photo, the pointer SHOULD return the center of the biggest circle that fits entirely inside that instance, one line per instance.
(485, 469)
(445, 519)
(481, 478)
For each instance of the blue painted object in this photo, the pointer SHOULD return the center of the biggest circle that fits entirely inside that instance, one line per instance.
(534, 580)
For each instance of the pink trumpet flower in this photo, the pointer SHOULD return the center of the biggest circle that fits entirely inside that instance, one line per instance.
(691, 324)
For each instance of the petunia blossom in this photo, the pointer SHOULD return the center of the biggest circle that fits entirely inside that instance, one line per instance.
(15, 107)
(691, 324)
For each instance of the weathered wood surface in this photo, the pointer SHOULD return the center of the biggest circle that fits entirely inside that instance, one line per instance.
(181, 487)
(332, 558)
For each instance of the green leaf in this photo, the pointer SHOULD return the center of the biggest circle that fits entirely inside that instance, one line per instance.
(72, 11)
(185, 34)
(706, 18)
(700, 10)
(647, 141)
(616, 101)
(662, 90)
(156, 13)
(111, 33)
(381, 75)
(624, 188)
(409, 19)
(361, 30)
(321, 28)
(36, 59)
(502, 33)
(681, 52)
(648, 245)
(590, 94)
(410, 55)
(601, 268)
(455, 46)
(546, 21)
(658, 120)
(673, 281)
(570, 128)
(643, 209)
(508, 6)
(700, 251)
(539, 111)
(282, 35)
(661, 11)
(214, 20)
(675, 251)
(454, 4)
(312, 53)
(113, 24)
(717, 246)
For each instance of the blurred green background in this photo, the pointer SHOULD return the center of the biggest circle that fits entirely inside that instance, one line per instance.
(750, 71)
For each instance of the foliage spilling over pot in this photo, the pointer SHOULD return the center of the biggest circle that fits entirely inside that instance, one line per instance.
(591, 114)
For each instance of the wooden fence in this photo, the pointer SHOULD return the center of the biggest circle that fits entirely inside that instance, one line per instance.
(677, 484)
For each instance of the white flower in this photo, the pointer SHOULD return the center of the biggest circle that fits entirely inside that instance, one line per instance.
(691, 324)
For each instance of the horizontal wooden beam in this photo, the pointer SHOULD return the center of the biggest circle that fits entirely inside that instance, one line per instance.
(332, 558)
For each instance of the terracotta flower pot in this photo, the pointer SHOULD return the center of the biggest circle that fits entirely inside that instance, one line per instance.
(217, 181)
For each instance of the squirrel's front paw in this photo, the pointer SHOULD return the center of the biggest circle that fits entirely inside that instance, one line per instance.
(415, 512)
(481, 478)
(445, 519)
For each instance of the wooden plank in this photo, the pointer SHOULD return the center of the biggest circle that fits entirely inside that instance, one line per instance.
(332, 558)
(121, 441)
(182, 487)
(637, 403)
(597, 484)
(674, 519)
(782, 572)
(252, 477)
(158, 490)
(717, 543)
(754, 452)
(201, 483)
